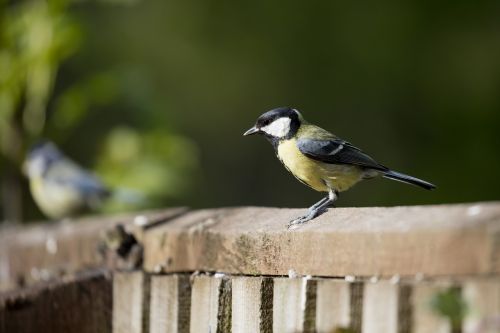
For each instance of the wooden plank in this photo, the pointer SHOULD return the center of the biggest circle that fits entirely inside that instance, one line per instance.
(209, 297)
(204, 304)
(225, 310)
(81, 304)
(131, 302)
(290, 310)
(405, 309)
(344, 241)
(170, 304)
(50, 250)
(332, 305)
(6, 282)
(252, 305)
(310, 306)
(380, 307)
(482, 297)
(425, 320)
(356, 306)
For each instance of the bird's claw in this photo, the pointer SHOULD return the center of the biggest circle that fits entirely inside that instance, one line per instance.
(296, 222)
(303, 219)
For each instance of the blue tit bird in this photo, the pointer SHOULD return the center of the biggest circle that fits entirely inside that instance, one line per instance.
(319, 159)
(60, 187)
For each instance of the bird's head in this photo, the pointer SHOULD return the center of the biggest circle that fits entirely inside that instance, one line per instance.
(40, 156)
(277, 124)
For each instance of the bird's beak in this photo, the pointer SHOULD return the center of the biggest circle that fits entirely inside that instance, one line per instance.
(251, 131)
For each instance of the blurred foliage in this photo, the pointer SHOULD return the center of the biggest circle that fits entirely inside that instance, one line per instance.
(151, 163)
(36, 36)
(73, 104)
(451, 305)
(140, 158)
(415, 84)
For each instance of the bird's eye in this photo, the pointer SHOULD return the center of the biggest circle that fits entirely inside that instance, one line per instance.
(266, 122)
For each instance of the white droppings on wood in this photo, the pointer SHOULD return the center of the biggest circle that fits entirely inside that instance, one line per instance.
(395, 279)
(350, 278)
(474, 210)
(141, 220)
(51, 245)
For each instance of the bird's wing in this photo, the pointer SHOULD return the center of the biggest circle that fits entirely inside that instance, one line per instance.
(337, 151)
(68, 173)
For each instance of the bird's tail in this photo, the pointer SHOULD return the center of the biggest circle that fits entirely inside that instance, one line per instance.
(128, 196)
(408, 179)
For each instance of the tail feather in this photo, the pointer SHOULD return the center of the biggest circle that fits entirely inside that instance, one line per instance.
(408, 179)
(128, 196)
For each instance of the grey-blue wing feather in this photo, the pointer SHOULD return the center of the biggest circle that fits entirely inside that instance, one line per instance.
(67, 173)
(337, 151)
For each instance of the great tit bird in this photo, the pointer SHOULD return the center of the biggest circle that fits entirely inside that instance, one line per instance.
(60, 187)
(319, 159)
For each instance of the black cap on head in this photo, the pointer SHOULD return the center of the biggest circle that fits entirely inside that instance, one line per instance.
(282, 112)
(45, 148)
(38, 145)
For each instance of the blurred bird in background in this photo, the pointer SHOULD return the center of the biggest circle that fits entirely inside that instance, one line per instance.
(63, 189)
(319, 159)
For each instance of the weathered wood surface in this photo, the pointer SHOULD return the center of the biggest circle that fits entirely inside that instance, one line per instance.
(44, 251)
(131, 302)
(333, 305)
(252, 305)
(424, 318)
(183, 303)
(483, 299)
(170, 309)
(210, 304)
(430, 240)
(421, 240)
(292, 305)
(80, 304)
(380, 308)
(361, 270)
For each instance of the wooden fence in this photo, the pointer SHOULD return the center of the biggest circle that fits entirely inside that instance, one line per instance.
(389, 270)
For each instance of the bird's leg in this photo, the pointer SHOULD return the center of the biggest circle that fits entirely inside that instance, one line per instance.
(316, 210)
(319, 203)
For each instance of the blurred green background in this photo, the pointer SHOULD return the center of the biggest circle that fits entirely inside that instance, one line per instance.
(154, 95)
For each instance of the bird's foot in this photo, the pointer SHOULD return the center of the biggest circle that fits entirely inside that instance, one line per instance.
(296, 222)
(312, 214)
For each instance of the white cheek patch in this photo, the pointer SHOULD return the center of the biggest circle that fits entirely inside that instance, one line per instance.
(35, 167)
(278, 128)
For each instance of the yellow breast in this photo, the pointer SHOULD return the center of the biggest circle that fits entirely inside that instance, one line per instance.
(54, 200)
(318, 175)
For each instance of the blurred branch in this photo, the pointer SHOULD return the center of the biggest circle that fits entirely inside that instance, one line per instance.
(35, 37)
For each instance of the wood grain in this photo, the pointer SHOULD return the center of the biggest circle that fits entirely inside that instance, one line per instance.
(79, 304)
(252, 305)
(430, 240)
(131, 302)
(44, 251)
(170, 304)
